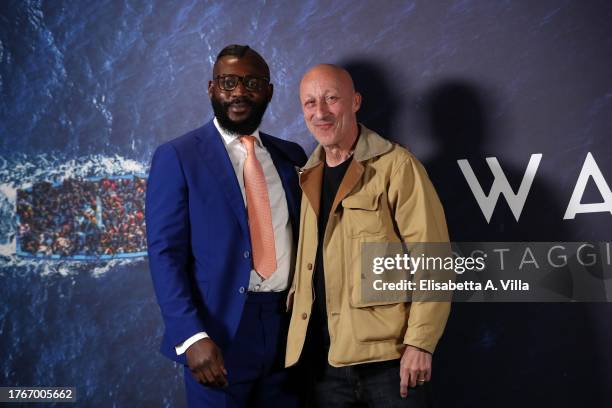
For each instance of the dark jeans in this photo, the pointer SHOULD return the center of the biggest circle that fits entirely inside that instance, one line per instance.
(365, 385)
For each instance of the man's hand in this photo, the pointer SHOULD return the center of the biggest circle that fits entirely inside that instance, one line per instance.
(206, 363)
(415, 368)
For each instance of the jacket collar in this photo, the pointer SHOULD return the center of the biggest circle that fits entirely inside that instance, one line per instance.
(370, 144)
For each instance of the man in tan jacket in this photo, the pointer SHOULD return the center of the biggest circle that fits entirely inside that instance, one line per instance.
(358, 187)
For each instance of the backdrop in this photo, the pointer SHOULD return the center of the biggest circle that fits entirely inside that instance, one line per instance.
(89, 89)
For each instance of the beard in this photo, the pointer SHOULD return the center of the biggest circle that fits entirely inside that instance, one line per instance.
(244, 127)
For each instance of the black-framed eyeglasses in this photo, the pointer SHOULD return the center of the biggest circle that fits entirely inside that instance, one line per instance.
(251, 83)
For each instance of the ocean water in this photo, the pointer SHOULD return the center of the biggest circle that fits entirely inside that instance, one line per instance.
(91, 88)
(93, 325)
(76, 103)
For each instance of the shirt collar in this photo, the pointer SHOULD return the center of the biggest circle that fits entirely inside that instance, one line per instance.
(369, 144)
(229, 138)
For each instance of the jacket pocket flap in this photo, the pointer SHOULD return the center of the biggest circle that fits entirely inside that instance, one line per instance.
(374, 303)
(362, 201)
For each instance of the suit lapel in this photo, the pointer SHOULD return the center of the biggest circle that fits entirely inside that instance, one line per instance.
(311, 181)
(288, 176)
(215, 157)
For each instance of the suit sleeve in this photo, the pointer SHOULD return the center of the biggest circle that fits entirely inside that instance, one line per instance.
(169, 247)
(420, 219)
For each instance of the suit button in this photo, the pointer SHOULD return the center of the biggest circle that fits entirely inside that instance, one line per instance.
(304, 316)
(246, 254)
(309, 266)
(241, 290)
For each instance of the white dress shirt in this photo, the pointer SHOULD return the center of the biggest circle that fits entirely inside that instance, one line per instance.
(283, 237)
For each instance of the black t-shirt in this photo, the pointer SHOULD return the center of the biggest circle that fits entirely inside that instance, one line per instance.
(332, 177)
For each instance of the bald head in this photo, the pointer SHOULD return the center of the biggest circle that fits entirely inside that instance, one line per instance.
(330, 104)
(334, 72)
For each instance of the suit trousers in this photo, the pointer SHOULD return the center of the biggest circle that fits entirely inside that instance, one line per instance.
(254, 361)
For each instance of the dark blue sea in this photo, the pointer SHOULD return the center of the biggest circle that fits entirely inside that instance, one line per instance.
(90, 88)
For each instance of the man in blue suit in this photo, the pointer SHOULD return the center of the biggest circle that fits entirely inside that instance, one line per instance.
(220, 281)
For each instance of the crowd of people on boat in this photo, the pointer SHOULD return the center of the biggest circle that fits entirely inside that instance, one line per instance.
(83, 217)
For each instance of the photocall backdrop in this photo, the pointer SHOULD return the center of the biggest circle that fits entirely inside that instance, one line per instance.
(89, 89)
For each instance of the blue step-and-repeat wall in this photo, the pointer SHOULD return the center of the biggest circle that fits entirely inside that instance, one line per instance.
(89, 89)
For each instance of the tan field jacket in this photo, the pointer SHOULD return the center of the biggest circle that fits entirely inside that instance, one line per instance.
(385, 196)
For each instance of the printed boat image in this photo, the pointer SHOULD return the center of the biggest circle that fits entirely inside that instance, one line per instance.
(96, 218)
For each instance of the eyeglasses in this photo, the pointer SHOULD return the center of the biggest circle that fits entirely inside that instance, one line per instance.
(251, 83)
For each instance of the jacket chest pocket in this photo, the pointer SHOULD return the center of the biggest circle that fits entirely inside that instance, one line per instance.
(362, 213)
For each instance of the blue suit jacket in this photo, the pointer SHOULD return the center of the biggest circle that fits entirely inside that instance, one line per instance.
(198, 236)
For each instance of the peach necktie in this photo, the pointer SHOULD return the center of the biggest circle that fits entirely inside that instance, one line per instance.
(259, 212)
